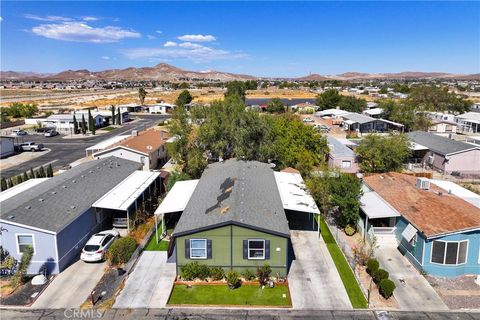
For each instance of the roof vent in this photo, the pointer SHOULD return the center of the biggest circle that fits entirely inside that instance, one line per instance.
(11, 217)
(41, 200)
(423, 184)
(72, 207)
(28, 207)
(74, 181)
(54, 192)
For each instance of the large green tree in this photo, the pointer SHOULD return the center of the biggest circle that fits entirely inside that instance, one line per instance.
(433, 98)
(352, 104)
(75, 124)
(378, 153)
(183, 98)
(275, 105)
(84, 124)
(142, 93)
(236, 89)
(91, 122)
(112, 108)
(328, 99)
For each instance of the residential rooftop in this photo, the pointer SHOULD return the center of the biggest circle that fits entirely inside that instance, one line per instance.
(433, 212)
(438, 143)
(146, 141)
(235, 191)
(338, 149)
(53, 204)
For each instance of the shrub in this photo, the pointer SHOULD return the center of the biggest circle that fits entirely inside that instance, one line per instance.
(372, 266)
(194, 270)
(350, 230)
(19, 276)
(217, 273)
(233, 280)
(248, 275)
(263, 274)
(379, 275)
(121, 251)
(386, 288)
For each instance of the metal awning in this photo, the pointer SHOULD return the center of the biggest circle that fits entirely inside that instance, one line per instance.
(127, 192)
(409, 232)
(375, 207)
(350, 122)
(294, 194)
(177, 198)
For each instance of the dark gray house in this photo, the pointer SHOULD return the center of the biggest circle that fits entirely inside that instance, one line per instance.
(56, 216)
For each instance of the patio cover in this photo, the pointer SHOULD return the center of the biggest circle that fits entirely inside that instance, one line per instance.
(375, 207)
(123, 195)
(409, 232)
(177, 198)
(294, 194)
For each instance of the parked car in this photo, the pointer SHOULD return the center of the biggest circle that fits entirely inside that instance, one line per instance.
(308, 120)
(43, 129)
(97, 245)
(31, 146)
(120, 219)
(51, 133)
(18, 132)
(322, 128)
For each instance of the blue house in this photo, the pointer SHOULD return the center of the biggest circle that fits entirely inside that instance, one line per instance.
(57, 216)
(435, 228)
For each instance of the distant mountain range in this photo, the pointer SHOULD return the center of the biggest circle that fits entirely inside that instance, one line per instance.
(166, 72)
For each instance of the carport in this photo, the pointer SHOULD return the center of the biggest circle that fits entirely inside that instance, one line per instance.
(295, 197)
(175, 201)
(124, 197)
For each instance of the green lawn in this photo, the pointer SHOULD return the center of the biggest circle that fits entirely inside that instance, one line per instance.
(109, 128)
(222, 295)
(354, 292)
(152, 244)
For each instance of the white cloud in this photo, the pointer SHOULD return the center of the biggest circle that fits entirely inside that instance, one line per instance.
(82, 32)
(90, 18)
(46, 18)
(150, 37)
(105, 57)
(159, 32)
(1, 19)
(194, 52)
(170, 44)
(197, 38)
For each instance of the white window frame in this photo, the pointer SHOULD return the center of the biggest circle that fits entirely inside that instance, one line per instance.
(198, 258)
(18, 244)
(248, 250)
(445, 253)
(349, 162)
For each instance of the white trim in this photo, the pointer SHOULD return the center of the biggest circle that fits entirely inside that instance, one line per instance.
(445, 253)
(206, 253)
(56, 250)
(452, 233)
(248, 249)
(120, 147)
(26, 226)
(18, 244)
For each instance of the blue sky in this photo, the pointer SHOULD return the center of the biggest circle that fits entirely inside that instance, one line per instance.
(258, 38)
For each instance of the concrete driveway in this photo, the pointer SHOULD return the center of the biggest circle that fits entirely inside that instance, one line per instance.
(413, 292)
(150, 283)
(72, 287)
(313, 278)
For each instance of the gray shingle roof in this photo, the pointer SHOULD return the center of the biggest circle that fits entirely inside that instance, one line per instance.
(439, 144)
(238, 192)
(360, 118)
(53, 204)
(339, 149)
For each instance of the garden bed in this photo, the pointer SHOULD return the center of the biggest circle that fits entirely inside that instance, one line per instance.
(24, 295)
(376, 299)
(220, 295)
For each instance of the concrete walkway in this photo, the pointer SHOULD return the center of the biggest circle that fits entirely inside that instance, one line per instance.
(413, 293)
(150, 283)
(313, 278)
(72, 287)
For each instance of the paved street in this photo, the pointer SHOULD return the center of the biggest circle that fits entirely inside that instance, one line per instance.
(313, 278)
(72, 287)
(413, 292)
(150, 283)
(66, 151)
(251, 314)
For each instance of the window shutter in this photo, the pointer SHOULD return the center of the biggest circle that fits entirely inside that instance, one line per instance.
(209, 249)
(187, 248)
(267, 249)
(245, 249)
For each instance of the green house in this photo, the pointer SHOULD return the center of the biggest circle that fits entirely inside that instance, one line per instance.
(237, 216)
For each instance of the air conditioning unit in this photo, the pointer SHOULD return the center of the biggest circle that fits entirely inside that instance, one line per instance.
(423, 183)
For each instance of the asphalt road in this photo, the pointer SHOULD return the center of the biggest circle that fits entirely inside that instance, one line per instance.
(211, 313)
(66, 151)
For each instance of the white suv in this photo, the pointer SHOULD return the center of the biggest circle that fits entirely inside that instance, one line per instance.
(97, 245)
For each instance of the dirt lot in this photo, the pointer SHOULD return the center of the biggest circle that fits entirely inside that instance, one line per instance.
(457, 293)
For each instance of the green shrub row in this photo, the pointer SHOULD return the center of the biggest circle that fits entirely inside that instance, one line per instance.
(121, 251)
(195, 270)
(380, 277)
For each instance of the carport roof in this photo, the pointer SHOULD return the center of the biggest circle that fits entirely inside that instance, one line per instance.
(375, 207)
(178, 197)
(126, 192)
(294, 194)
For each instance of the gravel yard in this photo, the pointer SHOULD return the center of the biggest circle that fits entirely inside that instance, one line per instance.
(457, 293)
